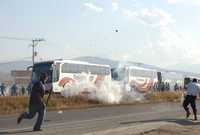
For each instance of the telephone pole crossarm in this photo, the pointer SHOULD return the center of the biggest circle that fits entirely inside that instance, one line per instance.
(35, 43)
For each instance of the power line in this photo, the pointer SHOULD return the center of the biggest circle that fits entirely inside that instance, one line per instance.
(16, 59)
(15, 38)
(35, 42)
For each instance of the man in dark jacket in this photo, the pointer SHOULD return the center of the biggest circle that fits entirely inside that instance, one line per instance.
(36, 103)
(14, 90)
(3, 88)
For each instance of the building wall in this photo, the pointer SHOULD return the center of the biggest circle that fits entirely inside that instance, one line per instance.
(21, 77)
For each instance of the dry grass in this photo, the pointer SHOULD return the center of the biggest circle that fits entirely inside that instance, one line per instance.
(10, 105)
(13, 104)
(16, 104)
(164, 96)
(58, 102)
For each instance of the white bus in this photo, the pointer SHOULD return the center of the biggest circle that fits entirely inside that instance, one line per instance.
(138, 78)
(62, 72)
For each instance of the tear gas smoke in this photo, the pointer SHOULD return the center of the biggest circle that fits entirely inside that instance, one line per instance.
(111, 92)
(8, 91)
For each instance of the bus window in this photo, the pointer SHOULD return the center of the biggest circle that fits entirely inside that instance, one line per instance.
(107, 71)
(142, 73)
(69, 68)
(79, 68)
(98, 70)
(73, 68)
(92, 69)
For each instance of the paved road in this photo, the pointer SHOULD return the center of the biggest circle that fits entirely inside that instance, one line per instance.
(75, 122)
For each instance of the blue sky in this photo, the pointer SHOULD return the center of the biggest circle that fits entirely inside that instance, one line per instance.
(159, 32)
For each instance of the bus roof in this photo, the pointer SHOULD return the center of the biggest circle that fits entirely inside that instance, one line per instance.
(73, 62)
(140, 68)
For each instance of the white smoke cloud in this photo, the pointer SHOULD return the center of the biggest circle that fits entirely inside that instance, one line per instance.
(178, 47)
(92, 7)
(150, 16)
(175, 1)
(115, 5)
(121, 56)
(195, 3)
(108, 92)
(170, 47)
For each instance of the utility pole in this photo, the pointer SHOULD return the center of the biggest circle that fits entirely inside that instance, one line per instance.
(35, 43)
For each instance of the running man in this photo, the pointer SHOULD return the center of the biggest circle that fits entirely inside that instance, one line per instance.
(193, 90)
(36, 103)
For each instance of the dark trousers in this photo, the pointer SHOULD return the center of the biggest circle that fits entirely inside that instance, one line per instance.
(2, 93)
(32, 112)
(192, 101)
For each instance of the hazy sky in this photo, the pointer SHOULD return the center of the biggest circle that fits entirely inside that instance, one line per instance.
(159, 32)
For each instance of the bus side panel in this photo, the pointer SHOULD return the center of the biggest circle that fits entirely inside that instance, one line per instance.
(141, 82)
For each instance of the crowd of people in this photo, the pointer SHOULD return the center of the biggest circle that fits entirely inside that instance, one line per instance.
(20, 90)
(13, 90)
(165, 86)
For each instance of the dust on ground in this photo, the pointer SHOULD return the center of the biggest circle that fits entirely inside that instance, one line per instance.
(156, 127)
(173, 129)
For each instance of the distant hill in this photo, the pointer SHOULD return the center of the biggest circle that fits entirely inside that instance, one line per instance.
(97, 60)
(179, 68)
(114, 63)
(14, 65)
(6, 67)
(186, 67)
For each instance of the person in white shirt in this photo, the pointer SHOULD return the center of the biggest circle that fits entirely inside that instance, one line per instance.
(193, 89)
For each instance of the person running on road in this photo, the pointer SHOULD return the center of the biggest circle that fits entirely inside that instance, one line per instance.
(36, 103)
(193, 90)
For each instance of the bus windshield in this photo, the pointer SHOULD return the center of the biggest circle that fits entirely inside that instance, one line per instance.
(39, 68)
